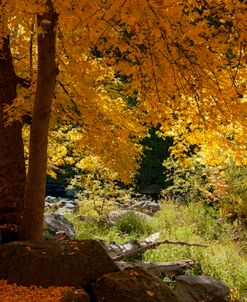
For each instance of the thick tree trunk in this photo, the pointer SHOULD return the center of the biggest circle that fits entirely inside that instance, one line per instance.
(32, 225)
(12, 162)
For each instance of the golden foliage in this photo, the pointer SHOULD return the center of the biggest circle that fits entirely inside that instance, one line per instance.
(183, 62)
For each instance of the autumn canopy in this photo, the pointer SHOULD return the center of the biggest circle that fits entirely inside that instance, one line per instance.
(113, 69)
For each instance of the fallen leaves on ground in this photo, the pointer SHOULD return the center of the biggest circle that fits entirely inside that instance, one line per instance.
(14, 293)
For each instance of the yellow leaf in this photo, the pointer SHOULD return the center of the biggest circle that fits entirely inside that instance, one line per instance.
(149, 293)
(133, 274)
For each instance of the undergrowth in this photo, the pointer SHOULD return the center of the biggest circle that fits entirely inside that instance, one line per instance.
(225, 257)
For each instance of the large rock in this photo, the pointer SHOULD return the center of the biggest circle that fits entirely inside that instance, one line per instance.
(54, 223)
(132, 284)
(201, 288)
(46, 263)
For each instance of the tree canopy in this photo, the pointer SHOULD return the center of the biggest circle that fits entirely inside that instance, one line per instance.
(184, 62)
(123, 66)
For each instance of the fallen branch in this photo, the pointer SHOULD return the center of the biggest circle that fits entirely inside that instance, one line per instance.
(161, 268)
(135, 247)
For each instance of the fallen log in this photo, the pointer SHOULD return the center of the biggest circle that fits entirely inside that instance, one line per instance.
(138, 247)
(162, 268)
(114, 249)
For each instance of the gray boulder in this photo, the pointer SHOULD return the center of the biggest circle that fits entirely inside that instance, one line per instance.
(54, 223)
(132, 284)
(201, 288)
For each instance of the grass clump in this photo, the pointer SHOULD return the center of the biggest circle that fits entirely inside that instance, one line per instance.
(131, 224)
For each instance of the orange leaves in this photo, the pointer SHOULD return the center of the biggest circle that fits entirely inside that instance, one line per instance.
(14, 293)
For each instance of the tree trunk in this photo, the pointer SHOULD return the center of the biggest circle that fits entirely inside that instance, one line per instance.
(12, 162)
(34, 200)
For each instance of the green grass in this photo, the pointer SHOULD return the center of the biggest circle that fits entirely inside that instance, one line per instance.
(225, 257)
(128, 227)
(132, 225)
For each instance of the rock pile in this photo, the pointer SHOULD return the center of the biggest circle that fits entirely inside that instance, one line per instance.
(141, 203)
(60, 205)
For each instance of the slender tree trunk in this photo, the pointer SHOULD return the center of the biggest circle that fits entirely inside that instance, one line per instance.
(34, 200)
(12, 162)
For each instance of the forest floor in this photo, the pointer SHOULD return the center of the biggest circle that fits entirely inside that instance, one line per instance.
(225, 257)
(14, 293)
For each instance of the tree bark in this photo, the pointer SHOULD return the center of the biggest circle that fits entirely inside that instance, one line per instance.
(34, 200)
(12, 161)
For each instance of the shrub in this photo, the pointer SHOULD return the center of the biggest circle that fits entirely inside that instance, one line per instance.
(232, 192)
(222, 185)
(97, 188)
